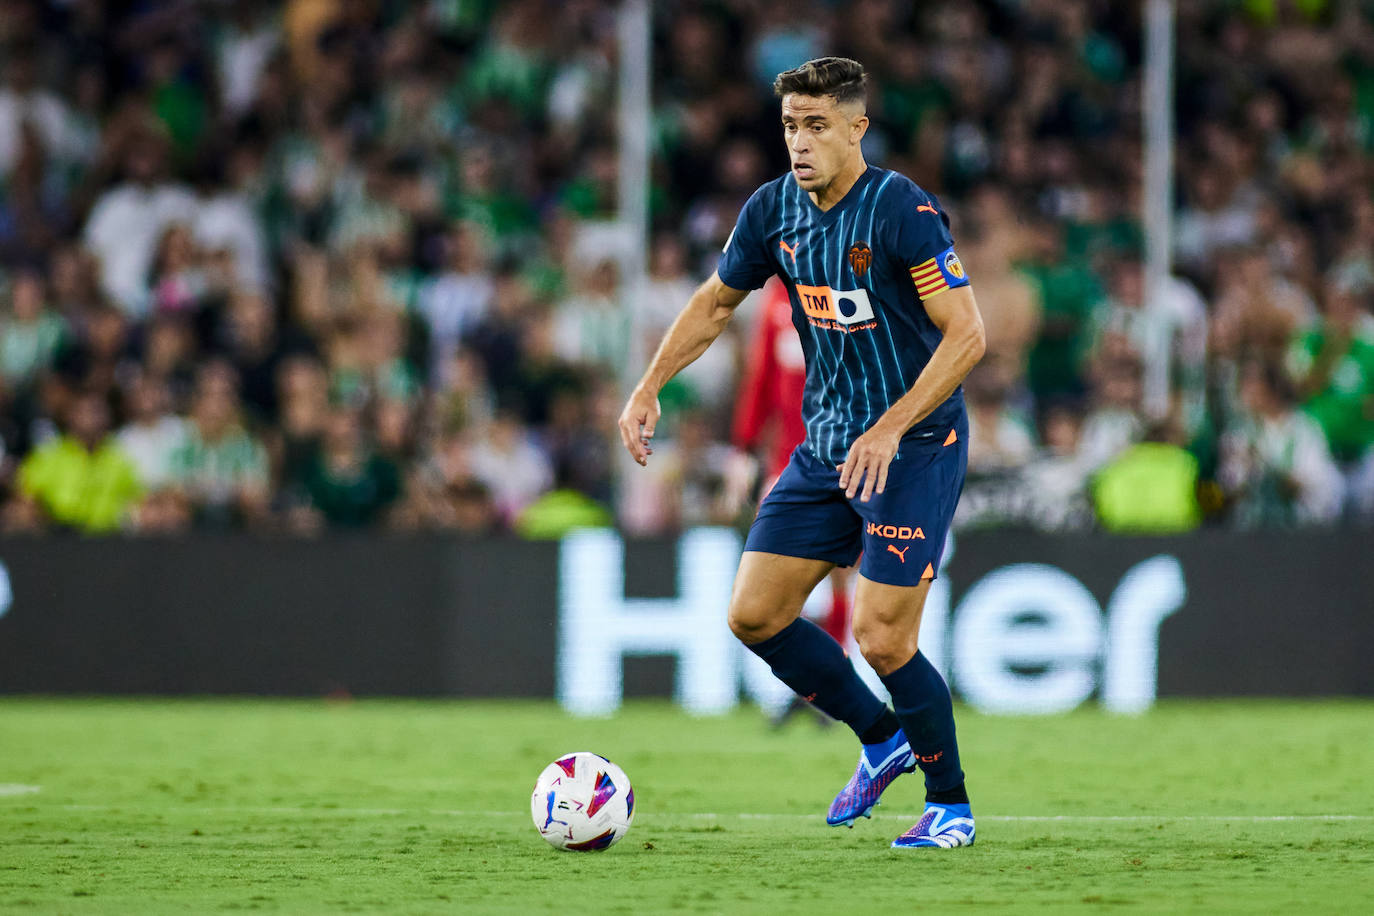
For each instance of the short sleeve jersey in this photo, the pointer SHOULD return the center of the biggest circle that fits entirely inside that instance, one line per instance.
(858, 275)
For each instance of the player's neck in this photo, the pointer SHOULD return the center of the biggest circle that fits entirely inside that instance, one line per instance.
(834, 192)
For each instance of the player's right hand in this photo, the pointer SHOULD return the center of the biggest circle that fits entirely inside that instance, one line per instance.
(637, 422)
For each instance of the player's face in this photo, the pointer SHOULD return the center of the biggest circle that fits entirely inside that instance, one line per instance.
(821, 137)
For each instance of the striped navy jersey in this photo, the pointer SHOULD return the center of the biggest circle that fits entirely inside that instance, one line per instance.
(857, 275)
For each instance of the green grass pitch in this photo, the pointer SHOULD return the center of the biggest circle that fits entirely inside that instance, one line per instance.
(147, 806)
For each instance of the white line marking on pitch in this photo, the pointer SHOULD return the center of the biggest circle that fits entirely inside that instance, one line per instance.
(17, 788)
(1009, 818)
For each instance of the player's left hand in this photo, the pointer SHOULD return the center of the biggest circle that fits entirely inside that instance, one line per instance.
(867, 461)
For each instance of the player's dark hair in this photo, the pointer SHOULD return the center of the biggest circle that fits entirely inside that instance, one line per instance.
(839, 77)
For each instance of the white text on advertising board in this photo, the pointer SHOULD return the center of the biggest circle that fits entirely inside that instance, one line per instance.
(1026, 638)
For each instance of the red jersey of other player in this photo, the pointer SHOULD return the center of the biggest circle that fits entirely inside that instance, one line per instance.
(770, 396)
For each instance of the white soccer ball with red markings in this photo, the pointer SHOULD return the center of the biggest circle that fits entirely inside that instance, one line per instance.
(582, 802)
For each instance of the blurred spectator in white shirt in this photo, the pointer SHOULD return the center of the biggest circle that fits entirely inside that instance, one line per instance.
(1114, 422)
(590, 326)
(1168, 333)
(712, 378)
(226, 221)
(1057, 481)
(243, 46)
(1214, 217)
(154, 433)
(24, 102)
(504, 456)
(30, 332)
(221, 469)
(999, 439)
(1275, 464)
(129, 219)
(456, 301)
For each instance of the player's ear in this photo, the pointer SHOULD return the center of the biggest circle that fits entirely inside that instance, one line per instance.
(857, 128)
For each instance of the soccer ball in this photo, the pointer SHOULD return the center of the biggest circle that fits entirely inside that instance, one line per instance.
(582, 802)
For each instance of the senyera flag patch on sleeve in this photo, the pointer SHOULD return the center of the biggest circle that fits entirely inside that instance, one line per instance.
(937, 274)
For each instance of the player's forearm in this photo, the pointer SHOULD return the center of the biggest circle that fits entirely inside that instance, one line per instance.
(699, 323)
(960, 350)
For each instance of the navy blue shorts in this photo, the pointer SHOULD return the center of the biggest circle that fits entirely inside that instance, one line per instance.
(900, 533)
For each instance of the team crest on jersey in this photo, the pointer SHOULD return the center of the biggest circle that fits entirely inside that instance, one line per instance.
(953, 267)
(860, 258)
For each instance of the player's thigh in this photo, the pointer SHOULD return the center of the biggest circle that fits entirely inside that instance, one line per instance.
(804, 528)
(769, 592)
(879, 606)
(887, 621)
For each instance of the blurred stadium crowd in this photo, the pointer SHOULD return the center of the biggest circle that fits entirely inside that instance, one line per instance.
(351, 262)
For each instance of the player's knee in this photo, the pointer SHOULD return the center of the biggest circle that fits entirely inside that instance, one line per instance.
(886, 648)
(755, 621)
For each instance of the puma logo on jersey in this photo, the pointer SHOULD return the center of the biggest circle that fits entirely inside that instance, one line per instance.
(790, 250)
(927, 208)
(901, 554)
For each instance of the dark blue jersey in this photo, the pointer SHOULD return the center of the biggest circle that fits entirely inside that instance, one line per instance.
(857, 274)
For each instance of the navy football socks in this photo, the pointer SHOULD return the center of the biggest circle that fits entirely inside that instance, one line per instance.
(807, 659)
(921, 700)
(881, 730)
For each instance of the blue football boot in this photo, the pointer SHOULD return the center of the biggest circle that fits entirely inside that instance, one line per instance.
(879, 764)
(942, 826)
